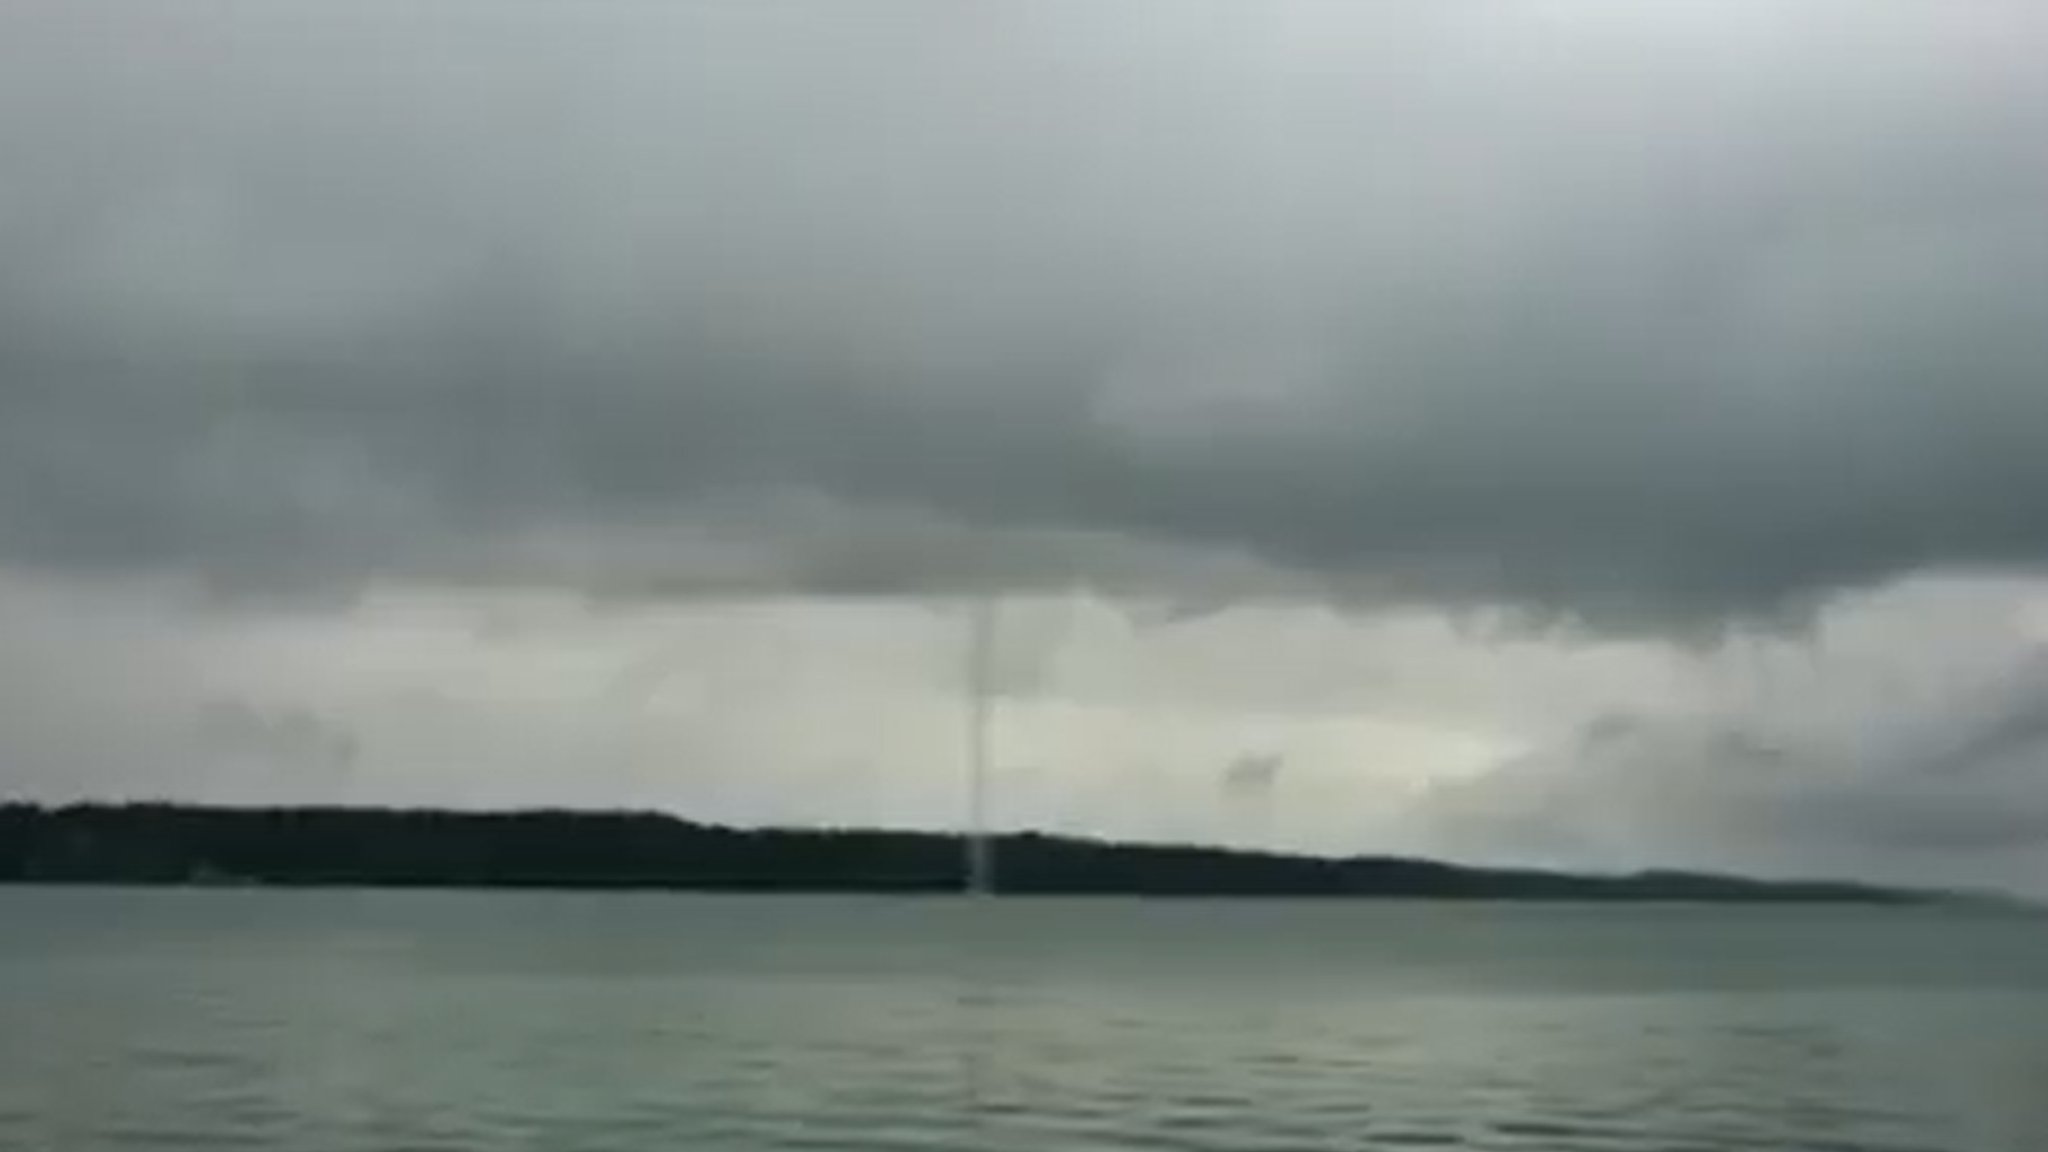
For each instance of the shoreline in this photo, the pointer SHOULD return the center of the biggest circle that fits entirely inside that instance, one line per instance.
(204, 846)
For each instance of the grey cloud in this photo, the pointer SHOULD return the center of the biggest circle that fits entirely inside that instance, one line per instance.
(1252, 774)
(1639, 316)
(2014, 724)
(292, 737)
(1948, 786)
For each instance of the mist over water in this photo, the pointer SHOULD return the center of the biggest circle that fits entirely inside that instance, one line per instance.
(367, 1021)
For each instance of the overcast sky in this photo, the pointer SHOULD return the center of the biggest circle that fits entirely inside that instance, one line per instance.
(1592, 433)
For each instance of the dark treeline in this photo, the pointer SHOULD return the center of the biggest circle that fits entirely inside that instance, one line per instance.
(178, 844)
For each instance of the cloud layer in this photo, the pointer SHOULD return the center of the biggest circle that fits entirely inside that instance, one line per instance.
(385, 325)
(1651, 316)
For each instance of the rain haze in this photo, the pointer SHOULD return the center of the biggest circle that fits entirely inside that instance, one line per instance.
(1602, 434)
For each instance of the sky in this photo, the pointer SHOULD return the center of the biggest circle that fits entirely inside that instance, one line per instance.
(1586, 433)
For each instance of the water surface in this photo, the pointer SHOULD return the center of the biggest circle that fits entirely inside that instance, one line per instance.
(381, 1021)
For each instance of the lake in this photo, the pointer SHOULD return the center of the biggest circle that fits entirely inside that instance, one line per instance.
(333, 1021)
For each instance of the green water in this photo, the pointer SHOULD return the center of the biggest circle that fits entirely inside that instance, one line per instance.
(385, 1021)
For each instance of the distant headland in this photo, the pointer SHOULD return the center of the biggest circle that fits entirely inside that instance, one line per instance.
(187, 844)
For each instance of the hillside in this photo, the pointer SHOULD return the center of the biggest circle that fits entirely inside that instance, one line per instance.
(179, 844)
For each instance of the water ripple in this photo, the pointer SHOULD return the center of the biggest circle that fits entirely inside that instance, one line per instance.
(1070, 1030)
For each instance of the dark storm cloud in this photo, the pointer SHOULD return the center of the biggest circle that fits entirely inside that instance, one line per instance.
(1644, 314)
